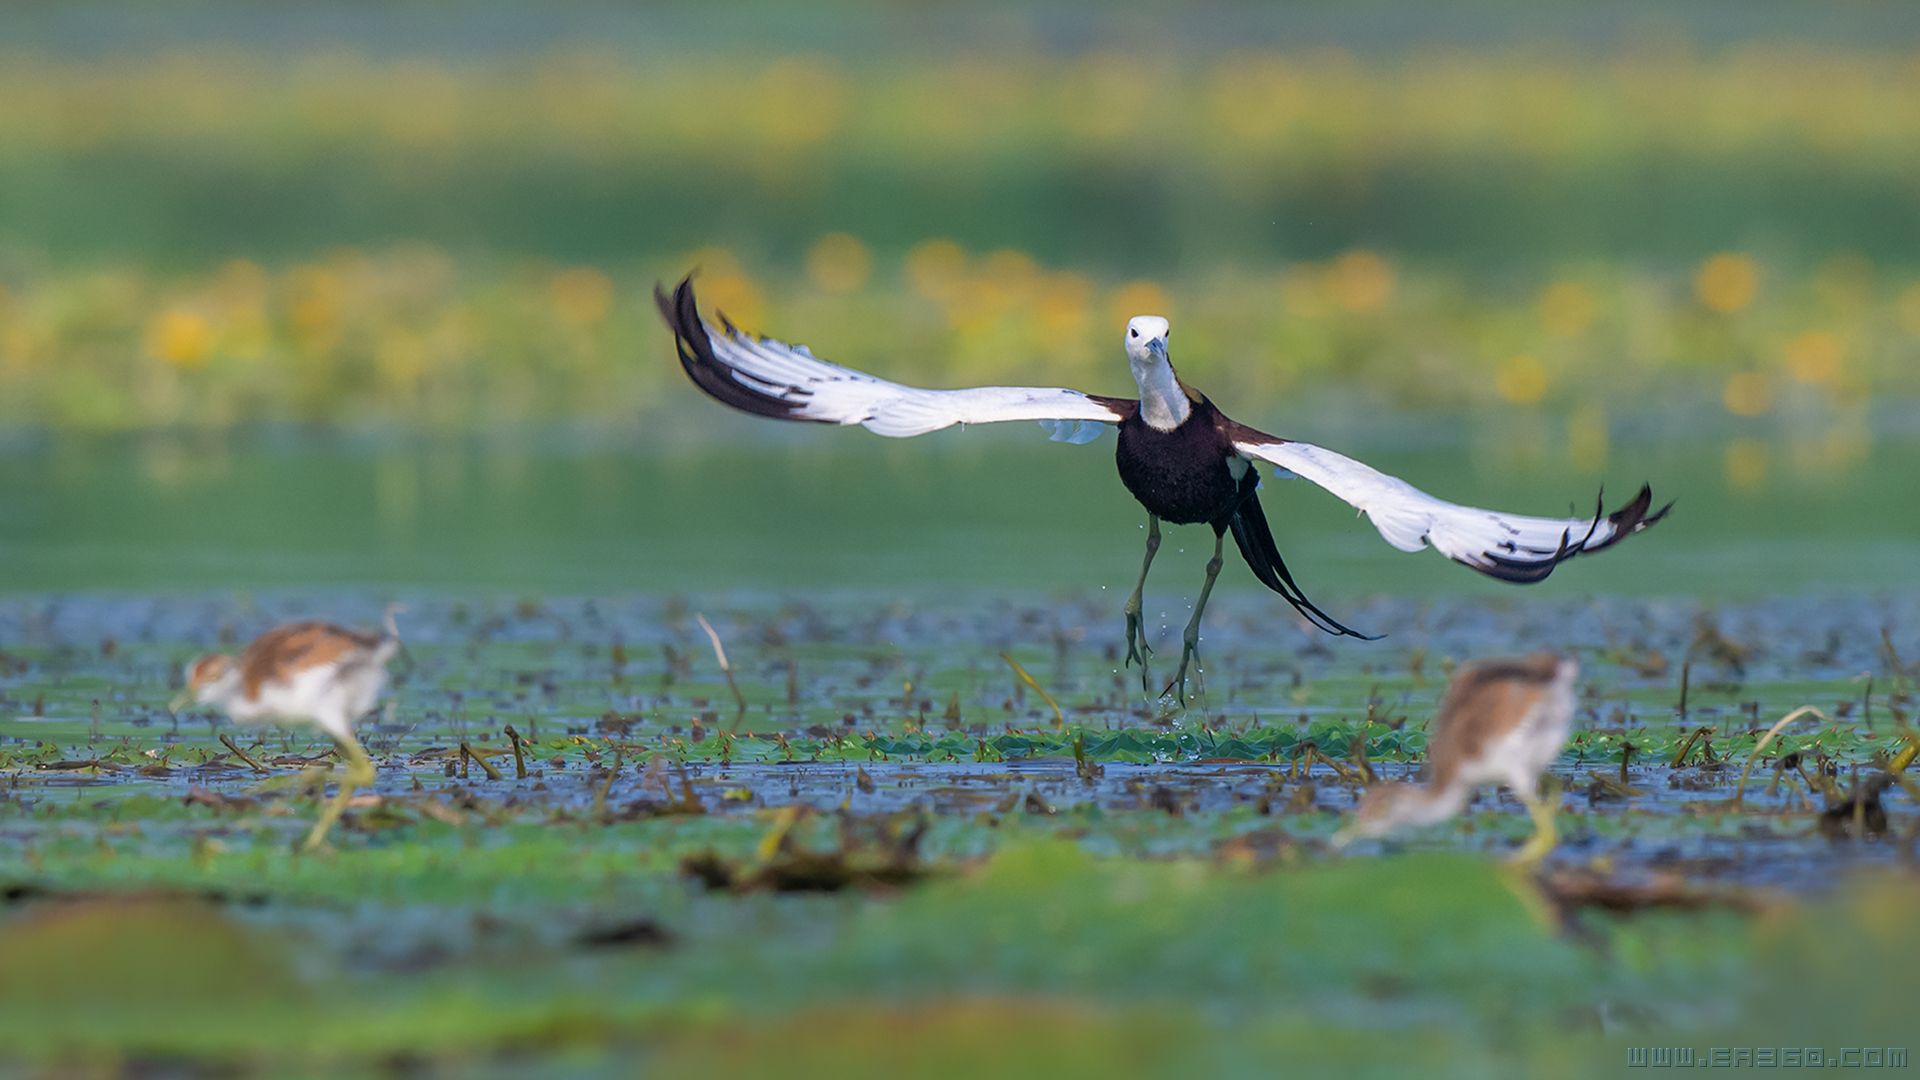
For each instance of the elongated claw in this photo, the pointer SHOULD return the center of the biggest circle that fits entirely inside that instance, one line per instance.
(1138, 651)
(1137, 648)
(1178, 685)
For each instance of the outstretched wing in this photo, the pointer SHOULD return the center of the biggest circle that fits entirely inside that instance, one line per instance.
(771, 378)
(1510, 547)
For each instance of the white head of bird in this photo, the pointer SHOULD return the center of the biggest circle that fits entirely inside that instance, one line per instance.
(212, 679)
(1163, 401)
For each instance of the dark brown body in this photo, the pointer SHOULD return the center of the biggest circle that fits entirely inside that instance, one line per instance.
(1184, 476)
(1193, 475)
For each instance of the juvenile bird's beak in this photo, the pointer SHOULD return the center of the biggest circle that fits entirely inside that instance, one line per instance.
(1342, 838)
(1158, 345)
(180, 701)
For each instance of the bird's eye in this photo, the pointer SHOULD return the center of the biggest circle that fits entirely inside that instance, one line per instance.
(1131, 332)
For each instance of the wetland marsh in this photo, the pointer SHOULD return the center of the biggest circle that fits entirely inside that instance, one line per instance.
(897, 829)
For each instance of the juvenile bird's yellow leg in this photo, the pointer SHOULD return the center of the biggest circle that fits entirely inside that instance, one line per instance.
(1541, 808)
(1190, 641)
(1137, 650)
(359, 774)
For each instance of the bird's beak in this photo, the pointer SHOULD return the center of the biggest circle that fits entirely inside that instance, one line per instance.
(1158, 345)
(1341, 839)
(180, 701)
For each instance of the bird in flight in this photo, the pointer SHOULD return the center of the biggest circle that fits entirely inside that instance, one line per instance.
(1181, 458)
(314, 672)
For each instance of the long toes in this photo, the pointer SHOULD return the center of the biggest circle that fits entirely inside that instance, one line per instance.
(1177, 686)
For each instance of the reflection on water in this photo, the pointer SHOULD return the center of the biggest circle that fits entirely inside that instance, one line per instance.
(836, 509)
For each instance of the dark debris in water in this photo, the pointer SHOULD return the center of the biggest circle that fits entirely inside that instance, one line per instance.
(614, 714)
(637, 933)
(1575, 890)
(874, 853)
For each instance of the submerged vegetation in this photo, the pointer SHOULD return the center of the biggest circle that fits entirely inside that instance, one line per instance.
(897, 830)
(718, 746)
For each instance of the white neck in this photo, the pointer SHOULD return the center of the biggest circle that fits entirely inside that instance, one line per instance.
(1163, 402)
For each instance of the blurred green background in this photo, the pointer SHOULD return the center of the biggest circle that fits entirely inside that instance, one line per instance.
(354, 299)
(1518, 249)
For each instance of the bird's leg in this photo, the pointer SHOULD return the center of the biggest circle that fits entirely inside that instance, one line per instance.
(1137, 649)
(1190, 641)
(360, 773)
(1540, 807)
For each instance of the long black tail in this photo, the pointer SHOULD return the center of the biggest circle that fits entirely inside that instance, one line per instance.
(1256, 544)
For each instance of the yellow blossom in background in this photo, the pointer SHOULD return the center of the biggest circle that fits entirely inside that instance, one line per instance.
(14, 346)
(243, 283)
(181, 338)
(1588, 438)
(712, 260)
(1816, 356)
(1362, 281)
(580, 295)
(315, 306)
(1007, 277)
(242, 291)
(1910, 309)
(733, 295)
(427, 100)
(971, 306)
(1061, 306)
(1521, 380)
(803, 99)
(1727, 282)
(17, 347)
(1747, 393)
(935, 266)
(1105, 95)
(1566, 309)
(402, 358)
(838, 262)
(1136, 298)
(1254, 98)
(1745, 464)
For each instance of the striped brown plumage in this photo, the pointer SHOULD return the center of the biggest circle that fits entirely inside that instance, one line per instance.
(284, 652)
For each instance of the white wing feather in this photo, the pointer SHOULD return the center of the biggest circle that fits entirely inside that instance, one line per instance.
(774, 378)
(1512, 546)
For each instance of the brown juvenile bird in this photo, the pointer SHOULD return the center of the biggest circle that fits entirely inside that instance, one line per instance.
(303, 672)
(1501, 721)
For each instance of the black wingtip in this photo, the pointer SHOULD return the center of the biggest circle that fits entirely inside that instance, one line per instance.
(1635, 515)
(694, 347)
